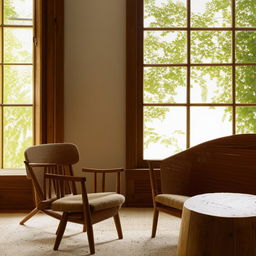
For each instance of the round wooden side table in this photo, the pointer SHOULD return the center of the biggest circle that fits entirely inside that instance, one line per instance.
(218, 224)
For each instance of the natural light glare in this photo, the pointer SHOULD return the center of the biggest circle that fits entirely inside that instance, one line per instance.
(220, 17)
(199, 6)
(209, 123)
(167, 132)
(208, 84)
(23, 40)
(22, 13)
(170, 8)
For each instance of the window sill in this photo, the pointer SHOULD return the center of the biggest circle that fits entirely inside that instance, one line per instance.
(13, 172)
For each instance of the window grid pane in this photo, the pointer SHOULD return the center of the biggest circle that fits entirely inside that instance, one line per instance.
(16, 93)
(220, 78)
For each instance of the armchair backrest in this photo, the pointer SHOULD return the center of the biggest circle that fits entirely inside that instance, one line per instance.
(226, 164)
(55, 158)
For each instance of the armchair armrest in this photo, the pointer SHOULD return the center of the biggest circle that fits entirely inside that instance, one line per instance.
(60, 180)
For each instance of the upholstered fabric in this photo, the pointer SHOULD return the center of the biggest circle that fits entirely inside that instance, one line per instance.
(175, 201)
(97, 202)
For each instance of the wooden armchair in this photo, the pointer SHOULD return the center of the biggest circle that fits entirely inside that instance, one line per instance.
(165, 202)
(226, 164)
(56, 191)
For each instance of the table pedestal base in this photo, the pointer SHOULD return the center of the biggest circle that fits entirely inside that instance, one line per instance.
(206, 235)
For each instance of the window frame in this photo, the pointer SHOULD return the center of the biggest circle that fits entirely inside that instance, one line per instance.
(49, 71)
(4, 64)
(134, 78)
(48, 68)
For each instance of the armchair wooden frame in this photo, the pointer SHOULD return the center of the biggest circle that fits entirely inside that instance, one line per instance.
(85, 218)
(60, 185)
(156, 189)
(38, 193)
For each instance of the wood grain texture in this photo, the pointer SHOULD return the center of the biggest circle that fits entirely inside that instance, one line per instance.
(223, 165)
(211, 235)
(138, 191)
(226, 164)
(16, 193)
(52, 71)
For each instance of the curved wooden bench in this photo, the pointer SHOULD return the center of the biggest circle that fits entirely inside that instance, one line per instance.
(226, 164)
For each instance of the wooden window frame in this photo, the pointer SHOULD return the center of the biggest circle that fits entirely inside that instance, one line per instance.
(49, 71)
(4, 64)
(48, 66)
(48, 97)
(134, 78)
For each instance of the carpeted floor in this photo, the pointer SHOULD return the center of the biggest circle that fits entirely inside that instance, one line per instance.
(38, 235)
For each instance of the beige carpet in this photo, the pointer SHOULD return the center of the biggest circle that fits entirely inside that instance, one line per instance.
(38, 235)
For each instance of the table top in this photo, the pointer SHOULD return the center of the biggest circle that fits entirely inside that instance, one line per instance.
(223, 204)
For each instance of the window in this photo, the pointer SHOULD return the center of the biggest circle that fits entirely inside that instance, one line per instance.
(31, 72)
(16, 99)
(191, 73)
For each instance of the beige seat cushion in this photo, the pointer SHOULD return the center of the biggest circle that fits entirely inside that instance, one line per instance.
(171, 200)
(97, 202)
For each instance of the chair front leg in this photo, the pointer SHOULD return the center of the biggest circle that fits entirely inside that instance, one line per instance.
(155, 219)
(118, 226)
(60, 230)
(90, 236)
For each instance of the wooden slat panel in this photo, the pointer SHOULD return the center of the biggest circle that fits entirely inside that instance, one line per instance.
(226, 164)
(138, 190)
(16, 193)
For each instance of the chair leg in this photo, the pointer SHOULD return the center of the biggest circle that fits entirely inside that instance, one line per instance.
(84, 228)
(30, 215)
(118, 226)
(155, 219)
(60, 230)
(89, 229)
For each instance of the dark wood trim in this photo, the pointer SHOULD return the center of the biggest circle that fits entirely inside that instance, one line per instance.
(131, 84)
(134, 76)
(233, 47)
(138, 189)
(53, 71)
(15, 193)
(198, 64)
(38, 45)
(200, 29)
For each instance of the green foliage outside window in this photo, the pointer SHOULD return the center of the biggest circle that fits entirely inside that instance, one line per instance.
(17, 85)
(208, 84)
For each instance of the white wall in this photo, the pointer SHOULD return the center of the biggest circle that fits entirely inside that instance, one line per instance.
(95, 81)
